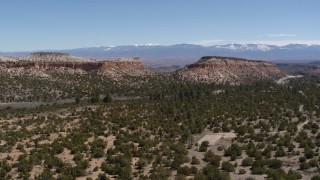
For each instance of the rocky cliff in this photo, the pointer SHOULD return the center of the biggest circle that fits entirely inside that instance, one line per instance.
(228, 70)
(43, 64)
(124, 67)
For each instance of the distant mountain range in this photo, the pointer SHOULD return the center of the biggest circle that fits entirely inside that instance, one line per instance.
(182, 54)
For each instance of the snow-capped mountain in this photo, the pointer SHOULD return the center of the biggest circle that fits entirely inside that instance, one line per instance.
(299, 46)
(247, 47)
(181, 54)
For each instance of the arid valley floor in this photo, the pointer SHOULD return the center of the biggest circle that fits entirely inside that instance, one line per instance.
(219, 118)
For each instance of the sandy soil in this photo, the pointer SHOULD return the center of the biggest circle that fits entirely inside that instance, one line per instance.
(300, 126)
(213, 138)
(285, 79)
(110, 139)
(36, 171)
(66, 156)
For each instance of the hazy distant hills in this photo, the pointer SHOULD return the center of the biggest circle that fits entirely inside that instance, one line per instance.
(182, 54)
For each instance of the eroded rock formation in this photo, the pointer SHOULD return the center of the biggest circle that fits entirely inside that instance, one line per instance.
(227, 70)
(42, 64)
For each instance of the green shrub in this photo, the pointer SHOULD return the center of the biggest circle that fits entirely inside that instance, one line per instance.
(242, 171)
(247, 161)
(227, 166)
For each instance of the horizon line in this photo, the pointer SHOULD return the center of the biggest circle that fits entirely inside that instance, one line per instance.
(157, 45)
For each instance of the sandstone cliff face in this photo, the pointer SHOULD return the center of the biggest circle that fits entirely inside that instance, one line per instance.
(44, 64)
(226, 70)
(124, 67)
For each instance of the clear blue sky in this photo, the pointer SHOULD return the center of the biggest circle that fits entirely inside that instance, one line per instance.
(60, 24)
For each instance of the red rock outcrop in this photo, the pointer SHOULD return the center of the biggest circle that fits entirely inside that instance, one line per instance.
(227, 70)
(124, 67)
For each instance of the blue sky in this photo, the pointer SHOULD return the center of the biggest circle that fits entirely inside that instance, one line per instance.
(61, 24)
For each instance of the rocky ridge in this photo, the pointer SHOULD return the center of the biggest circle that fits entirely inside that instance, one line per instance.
(43, 64)
(216, 69)
(124, 67)
(53, 57)
(229, 70)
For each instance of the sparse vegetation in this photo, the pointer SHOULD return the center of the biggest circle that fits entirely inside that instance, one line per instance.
(148, 128)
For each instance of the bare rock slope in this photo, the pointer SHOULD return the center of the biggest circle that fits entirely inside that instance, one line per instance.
(228, 70)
